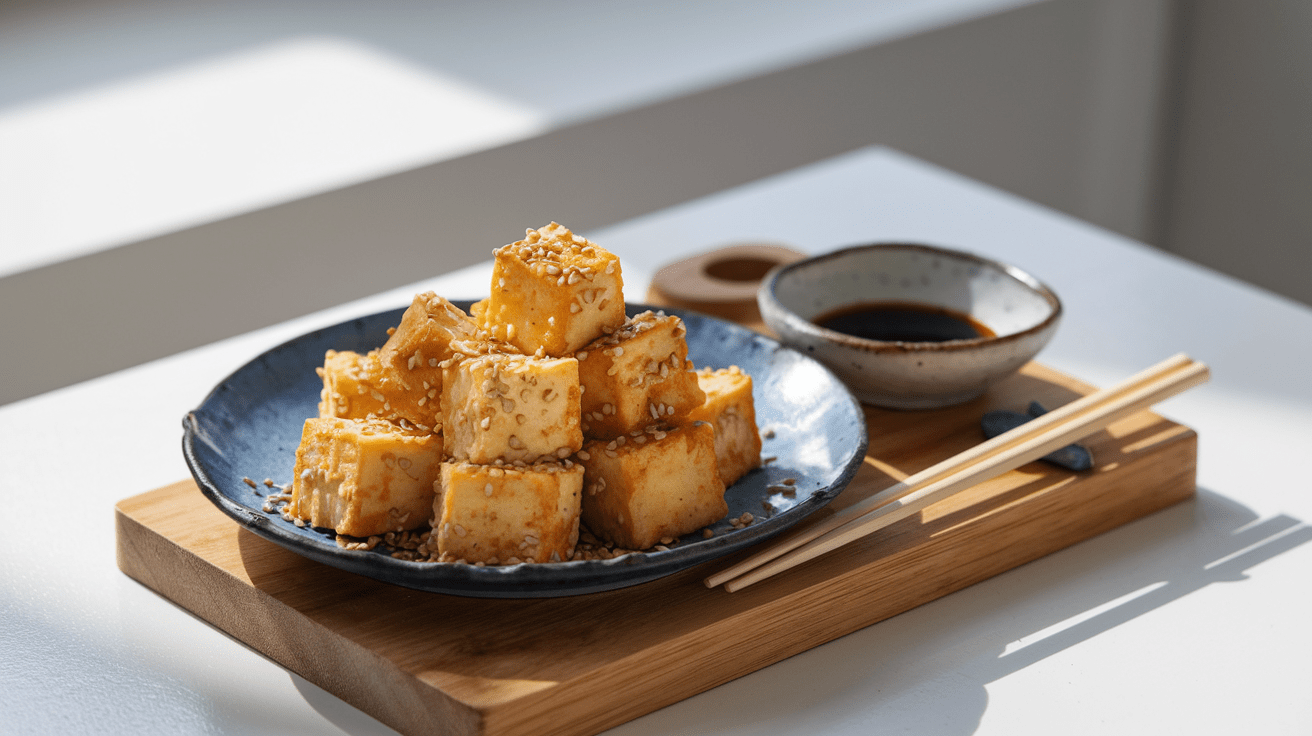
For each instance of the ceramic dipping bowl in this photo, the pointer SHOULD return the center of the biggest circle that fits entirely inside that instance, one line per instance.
(1020, 312)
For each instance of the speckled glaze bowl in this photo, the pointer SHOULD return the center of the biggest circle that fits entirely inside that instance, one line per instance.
(1018, 308)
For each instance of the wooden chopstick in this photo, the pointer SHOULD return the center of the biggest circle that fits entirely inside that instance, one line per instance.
(1024, 444)
(929, 475)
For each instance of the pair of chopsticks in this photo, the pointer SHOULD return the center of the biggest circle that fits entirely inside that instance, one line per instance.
(1007, 451)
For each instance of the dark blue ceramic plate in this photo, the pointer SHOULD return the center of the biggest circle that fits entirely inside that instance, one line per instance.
(250, 424)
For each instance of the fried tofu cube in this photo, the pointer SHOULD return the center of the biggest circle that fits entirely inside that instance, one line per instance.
(644, 487)
(354, 387)
(554, 291)
(412, 355)
(478, 311)
(637, 376)
(510, 407)
(503, 514)
(729, 408)
(364, 477)
(350, 385)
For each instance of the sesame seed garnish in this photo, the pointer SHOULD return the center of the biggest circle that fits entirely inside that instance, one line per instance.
(248, 481)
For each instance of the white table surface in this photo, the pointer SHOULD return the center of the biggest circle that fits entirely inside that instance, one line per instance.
(1193, 620)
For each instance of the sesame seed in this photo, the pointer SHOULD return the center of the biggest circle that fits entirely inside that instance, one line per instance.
(583, 455)
(487, 422)
(248, 481)
(487, 489)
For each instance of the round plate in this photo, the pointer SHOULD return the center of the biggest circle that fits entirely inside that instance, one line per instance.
(250, 424)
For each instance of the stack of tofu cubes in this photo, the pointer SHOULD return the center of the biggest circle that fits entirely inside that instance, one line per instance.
(503, 430)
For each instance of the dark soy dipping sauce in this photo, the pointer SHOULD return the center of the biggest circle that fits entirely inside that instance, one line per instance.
(903, 322)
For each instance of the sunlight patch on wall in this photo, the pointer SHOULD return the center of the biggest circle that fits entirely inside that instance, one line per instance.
(156, 154)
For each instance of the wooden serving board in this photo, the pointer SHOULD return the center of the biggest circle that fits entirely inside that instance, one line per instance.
(425, 663)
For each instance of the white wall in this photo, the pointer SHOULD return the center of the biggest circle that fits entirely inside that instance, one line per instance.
(1238, 190)
(1117, 111)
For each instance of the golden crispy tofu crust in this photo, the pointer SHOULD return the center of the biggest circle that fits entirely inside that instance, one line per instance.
(364, 477)
(553, 291)
(636, 376)
(506, 514)
(412, 356)
(650, 485)
(510, 407)
(356, 387)
(730, 409)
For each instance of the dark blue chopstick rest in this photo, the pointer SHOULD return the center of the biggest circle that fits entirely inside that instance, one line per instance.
(1070, 457)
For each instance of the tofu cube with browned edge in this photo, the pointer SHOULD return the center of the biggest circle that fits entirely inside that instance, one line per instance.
(364, 477)
(636, 376)
(413, 354)
(504, 514)
(553, 291)
(350, 385)
(354, 387)
(510, 407)
(730, 409)
(646, 486)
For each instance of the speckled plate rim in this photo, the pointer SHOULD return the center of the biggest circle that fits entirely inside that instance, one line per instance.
(536, 580)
